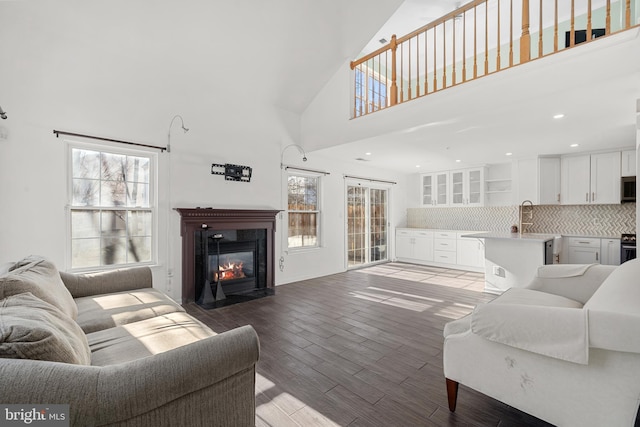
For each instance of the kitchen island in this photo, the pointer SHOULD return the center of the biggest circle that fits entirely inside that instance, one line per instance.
(512, 259)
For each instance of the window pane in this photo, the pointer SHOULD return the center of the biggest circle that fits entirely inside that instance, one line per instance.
(137, 169)
(138, 194)
(85, 224)
(114, 166)
(86, 163)
(302, 229)
(86, 192)
(113, 193)
(140, 223)
(139, 249)
(85, 252)
(114, 250)
(114, 223)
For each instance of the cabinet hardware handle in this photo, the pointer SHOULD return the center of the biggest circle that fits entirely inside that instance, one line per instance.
(586, 197)
(597, 256)
(558, 197)
(584, 243)
(593, 197)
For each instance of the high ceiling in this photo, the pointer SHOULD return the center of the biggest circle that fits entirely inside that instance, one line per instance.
(596, 87)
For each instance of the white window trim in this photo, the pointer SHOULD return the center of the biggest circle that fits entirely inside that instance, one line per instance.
(320, 225)
(153, 201)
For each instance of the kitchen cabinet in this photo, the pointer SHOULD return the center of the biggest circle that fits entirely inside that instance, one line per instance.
(628, 163)
(445, 247)
(442, 248)
(591, 179)
(414, 245)
(583, 250)
(467, 187)
(549, 181)
(435, 189)
(610, 251)
(469, 251)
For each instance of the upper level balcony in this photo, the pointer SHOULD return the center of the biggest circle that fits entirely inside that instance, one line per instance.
(477, 39)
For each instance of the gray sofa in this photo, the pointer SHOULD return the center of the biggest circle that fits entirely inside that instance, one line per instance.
(118, 351)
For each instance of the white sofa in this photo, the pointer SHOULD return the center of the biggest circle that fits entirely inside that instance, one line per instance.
(565, 348)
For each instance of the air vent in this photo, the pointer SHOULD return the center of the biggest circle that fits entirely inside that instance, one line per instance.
(383, 41)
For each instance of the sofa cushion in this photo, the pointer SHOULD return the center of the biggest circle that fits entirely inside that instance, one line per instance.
(105, 311)
(614, 310)
(145, 338)
(542, 323)
(34, 329)
(40, 277)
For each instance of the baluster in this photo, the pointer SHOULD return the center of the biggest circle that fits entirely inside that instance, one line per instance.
(525, 38)
(555, 28)
(401, 73)
(417, 65)
(475, 42)
(607, 29)
(498, 43)
(435, 61)
(409, 83)
(464, 46)
(627, 15)
(386, 77)
(589, 20)
(486, 38)
(511, 33)
(453, 54)
(444, 54)
(426, 63)
(540, 33)
(394, 85)
(572, 30)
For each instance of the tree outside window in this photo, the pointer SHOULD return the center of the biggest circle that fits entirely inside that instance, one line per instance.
(111, 208)
(303, 211)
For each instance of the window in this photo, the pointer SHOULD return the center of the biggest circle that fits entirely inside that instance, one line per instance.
(371, 93)
(303, 211)
(112, 208)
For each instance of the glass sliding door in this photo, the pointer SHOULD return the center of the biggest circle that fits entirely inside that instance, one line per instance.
(367, 225)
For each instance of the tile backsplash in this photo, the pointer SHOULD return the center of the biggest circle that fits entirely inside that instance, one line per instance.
(587, 220)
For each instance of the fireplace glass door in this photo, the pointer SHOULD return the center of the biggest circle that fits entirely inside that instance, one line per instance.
(367, 225)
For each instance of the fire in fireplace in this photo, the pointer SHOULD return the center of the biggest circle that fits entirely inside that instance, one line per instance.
(235, 258)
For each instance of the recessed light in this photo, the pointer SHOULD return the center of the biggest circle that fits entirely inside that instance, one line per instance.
(508, 154)
(458, 160)
(368, 154)
(558, 116)
(417, 166)
(574, 145)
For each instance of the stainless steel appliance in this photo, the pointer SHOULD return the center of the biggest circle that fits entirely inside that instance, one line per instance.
(627, 247)
(628, 189)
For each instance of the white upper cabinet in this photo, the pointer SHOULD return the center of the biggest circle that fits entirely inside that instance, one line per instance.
(591, 179)
(628, 166)
(467, 187)
(549, 180)
(435, 189)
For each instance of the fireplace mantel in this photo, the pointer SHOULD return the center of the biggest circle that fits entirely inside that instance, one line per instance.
(196, 219)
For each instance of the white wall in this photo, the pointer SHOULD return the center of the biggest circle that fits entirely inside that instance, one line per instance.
(52, 80)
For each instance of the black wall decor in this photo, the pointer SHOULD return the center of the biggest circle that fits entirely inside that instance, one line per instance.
(232, 172)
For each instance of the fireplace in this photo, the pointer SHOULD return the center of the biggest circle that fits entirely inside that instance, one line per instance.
(230, 250)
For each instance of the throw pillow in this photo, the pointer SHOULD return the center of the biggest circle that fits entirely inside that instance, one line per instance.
(34, 329)
(40, 277)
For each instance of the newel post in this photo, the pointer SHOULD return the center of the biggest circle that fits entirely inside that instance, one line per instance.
(525, 39)
(394, 86)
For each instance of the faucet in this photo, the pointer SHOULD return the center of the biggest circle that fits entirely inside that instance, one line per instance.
(529, 214)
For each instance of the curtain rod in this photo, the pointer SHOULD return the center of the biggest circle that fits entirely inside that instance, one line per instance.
(369, 179)
(60, 132)
(287, 167)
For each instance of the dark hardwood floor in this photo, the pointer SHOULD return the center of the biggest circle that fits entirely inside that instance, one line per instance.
(362, 348)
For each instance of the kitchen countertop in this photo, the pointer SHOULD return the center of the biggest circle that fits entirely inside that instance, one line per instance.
(535, 237)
